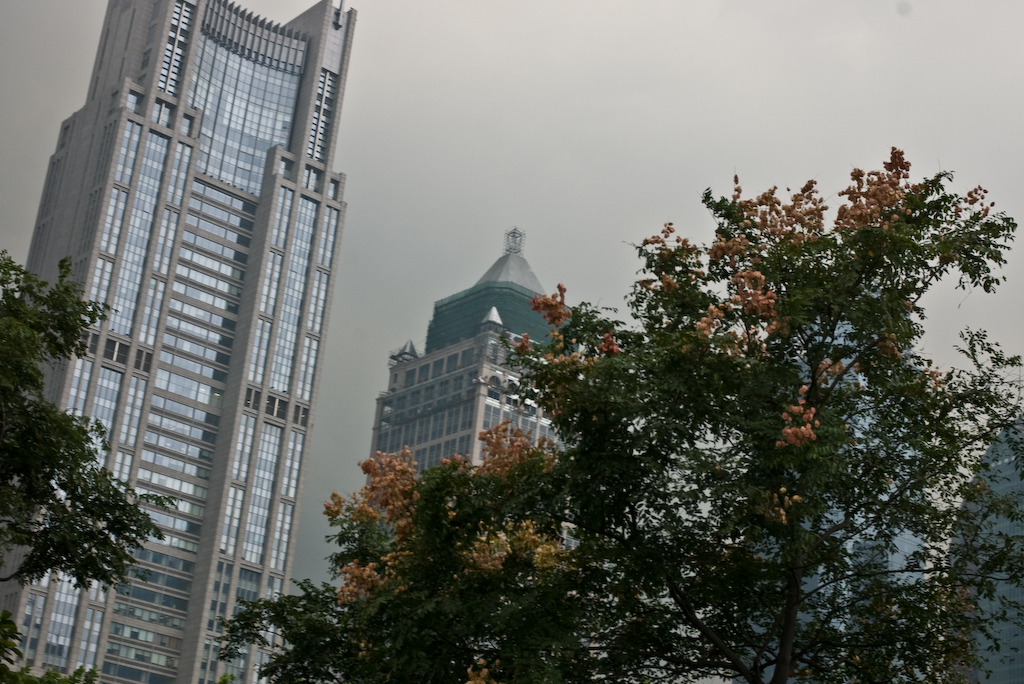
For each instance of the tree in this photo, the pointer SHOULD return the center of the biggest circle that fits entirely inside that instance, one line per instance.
(761, 477)
(479, 567)
(60, 510)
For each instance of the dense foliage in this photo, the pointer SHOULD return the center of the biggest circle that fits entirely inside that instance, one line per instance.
(59, 509)
(760, 477)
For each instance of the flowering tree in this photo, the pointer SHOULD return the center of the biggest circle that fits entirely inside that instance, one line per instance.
(760, 477)
(460, 575)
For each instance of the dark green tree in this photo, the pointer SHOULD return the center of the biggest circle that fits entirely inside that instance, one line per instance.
(760, 478)
(60, 510)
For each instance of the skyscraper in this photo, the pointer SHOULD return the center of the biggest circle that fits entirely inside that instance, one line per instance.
(194, 192)
(439, 401)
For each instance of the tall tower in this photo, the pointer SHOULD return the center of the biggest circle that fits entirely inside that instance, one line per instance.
(438, 402)
(194, 192)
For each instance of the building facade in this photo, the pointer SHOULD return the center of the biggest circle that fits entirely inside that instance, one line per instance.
(1007, 665)
(195, 194)
(438, 402)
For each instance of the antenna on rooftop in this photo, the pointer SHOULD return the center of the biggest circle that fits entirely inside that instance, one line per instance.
(514, 240)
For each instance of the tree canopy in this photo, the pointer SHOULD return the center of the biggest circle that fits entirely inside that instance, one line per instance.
(759, 476)
(60, 510)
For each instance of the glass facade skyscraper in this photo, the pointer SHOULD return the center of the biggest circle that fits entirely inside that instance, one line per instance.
(195, 194)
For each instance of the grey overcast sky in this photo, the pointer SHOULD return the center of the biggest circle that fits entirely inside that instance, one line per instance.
(588, 124)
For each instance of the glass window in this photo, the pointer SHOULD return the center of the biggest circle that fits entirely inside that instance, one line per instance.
(143, 360)
(116, 351)
(199, 331)
(172, 483)
(174, 50)
(243, 445)
(307, 368)
(176, 445)
(313, 179)
(293, 296)
(433, 456)
(175, 464)
(282, 533)
(293, 460)
(165, 241)
(122, 466)
(194, 348)
(182, 157)
(151, 311)
(90, 637)
(271, 279)
(229, 535)
(282, 216)
(258, 362)
(162, 112)
(249, 584)
(134, 102)
(247, 109)
(129, 150)
(276, 407)
(114, 220)
(318, 301)
(153, 617)
(262, 493)
(328, 236)
(186, 387)
(286, 168)
(216, 195)
(132, 413)
(140, 224)
(62, 622)
(108, 391)
(193, 366)
(101, 281)
(323, 112)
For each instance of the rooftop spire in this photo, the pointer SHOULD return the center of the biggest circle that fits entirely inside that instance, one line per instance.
(493, 316)
(512, 266)
(514, 241)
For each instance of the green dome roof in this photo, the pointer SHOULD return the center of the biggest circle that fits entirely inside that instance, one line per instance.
(503, 295)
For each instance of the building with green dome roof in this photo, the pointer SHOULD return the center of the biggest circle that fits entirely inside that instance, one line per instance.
(508, 286)
(438, 402)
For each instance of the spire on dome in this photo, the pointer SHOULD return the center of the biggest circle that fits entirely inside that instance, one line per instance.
(514, 241)
(512, 267)
(508, 286)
